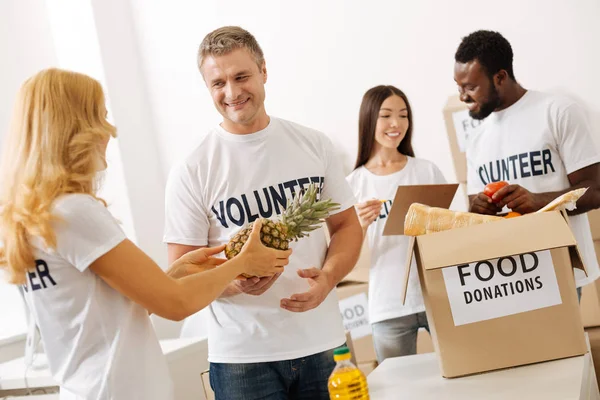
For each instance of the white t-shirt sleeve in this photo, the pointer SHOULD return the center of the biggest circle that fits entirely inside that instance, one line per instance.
(352, 179)
(438, 176)
(336, 186)
(85, 230)
(574, 137)
(186, 218)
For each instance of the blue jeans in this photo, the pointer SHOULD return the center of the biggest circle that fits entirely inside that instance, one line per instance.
(398, 336)
(298, 379)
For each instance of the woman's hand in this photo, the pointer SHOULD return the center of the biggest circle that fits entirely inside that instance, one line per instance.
(260, 260)
(368, 212)
(196, 261)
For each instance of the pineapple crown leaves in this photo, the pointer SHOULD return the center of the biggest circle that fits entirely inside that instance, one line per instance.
(305, 214)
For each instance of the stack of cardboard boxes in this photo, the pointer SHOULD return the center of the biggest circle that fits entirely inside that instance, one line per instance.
(352, 293)
(590, 299)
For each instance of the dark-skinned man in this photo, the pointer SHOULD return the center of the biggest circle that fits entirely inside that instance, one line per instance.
(540, 143)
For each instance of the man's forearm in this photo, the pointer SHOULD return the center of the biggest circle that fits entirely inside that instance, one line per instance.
(343, 252)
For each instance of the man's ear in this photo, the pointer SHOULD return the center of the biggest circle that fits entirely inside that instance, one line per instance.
(501, 77)
(263, 70)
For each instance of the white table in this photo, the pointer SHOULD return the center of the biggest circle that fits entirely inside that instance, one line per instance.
(419, 377)
(187, 358)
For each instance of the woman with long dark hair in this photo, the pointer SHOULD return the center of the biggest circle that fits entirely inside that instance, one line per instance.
(385, 161)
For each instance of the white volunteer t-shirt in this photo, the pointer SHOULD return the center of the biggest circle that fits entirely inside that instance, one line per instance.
(100, 345)
(536, 143)
(388, 253)
(230, 180)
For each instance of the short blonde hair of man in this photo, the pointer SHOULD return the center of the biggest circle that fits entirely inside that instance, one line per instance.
(226, 39)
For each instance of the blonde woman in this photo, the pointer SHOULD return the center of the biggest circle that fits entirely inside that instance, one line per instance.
(89, 288)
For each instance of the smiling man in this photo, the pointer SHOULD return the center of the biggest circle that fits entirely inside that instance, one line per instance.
(538, 142)
(269, 338)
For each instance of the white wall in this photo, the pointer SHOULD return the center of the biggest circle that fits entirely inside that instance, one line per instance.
(323, 55)
(26, 19)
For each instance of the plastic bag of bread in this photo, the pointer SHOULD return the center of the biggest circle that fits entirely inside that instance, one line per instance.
(421, 219)
(566, 201)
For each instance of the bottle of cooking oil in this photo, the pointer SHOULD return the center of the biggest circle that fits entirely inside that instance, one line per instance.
(347, 382)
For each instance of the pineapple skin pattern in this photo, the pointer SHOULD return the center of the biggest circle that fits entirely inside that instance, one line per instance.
(301, 216)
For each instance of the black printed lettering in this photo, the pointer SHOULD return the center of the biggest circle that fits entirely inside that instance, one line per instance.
(291, 186)
(498, 292)
(547, 159)
(264, 202)
(468, 297)
(321, 187)
(249, 216)
(535, 162)
(487, 293)
(44, 273)
(303, 182)
(279, 199)
(32, 275)
(235, 203)
(513, 161)
(524, 262)
(483, 180)
(539, 282)
(264, 212)
(519, 286)
(478, 274)
(505, 170)
(523, 165)
(462, 274)
(492, 177)
(487, 174)
(512, 262)
(529, 284)
(221, 217)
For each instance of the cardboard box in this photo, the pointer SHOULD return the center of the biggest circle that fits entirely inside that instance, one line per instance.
(354, 308)
(424, 343)
(590, 299)
(367, 367)
(594, 338)
(208, 392)
(594, 218)
(458, 126)
(500, 294)
(352, 293)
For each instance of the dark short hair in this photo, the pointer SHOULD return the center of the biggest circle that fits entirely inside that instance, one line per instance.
(491, 49)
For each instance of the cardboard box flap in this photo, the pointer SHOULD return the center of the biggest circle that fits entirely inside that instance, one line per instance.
(454, 104)
(576, 259)
(430, 195)
(409, 257)
(532, 232)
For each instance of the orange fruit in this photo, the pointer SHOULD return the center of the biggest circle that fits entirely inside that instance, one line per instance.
(512, 214)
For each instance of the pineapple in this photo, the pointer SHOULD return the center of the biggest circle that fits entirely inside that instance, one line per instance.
(303, 215)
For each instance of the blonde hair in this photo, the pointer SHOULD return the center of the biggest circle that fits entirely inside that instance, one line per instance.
(54, 147)
(227, 39)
